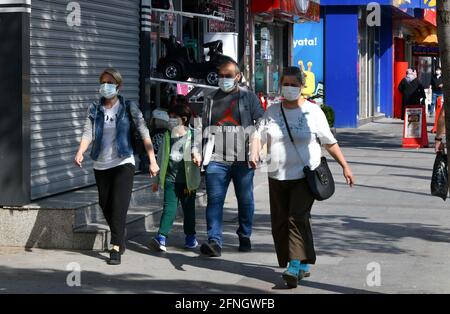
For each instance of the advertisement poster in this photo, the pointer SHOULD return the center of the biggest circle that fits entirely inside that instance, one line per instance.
(308, 52)
(414, 123)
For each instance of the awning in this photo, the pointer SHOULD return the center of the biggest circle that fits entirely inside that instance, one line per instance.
(421, 26)
(288, 10)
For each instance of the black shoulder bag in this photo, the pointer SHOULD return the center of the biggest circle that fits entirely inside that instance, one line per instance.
(320, 180)
(136, 141)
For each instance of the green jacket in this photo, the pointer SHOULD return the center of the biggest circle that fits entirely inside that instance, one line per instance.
(193, 177)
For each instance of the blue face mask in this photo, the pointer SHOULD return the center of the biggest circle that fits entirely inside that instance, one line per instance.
(108, 90)
(227, 84)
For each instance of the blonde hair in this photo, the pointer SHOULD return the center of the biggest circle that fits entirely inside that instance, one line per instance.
(114, 73)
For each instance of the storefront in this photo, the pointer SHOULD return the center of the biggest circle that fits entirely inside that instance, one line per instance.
(415, 46)
(56, 51)
(189, 25)
(272, 24)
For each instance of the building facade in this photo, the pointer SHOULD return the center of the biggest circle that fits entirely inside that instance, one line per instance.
(361, 44)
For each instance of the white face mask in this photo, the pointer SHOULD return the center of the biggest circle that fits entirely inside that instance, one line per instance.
(227, 84)
(291, 93)
(108, 90)
(173, 123)
(438, 73)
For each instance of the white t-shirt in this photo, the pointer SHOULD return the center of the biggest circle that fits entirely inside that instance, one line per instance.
(109, 157)
(308, 124)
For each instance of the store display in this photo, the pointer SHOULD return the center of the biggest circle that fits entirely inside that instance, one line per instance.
(227, 9)
(179, 64)
(161, 4)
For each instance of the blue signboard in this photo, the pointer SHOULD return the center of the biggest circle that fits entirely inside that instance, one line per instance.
(308, 52)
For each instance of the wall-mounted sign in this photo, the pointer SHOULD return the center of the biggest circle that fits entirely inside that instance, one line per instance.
(227, 8)
(308, 53)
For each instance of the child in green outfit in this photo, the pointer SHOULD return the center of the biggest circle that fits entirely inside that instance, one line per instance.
(179, 178)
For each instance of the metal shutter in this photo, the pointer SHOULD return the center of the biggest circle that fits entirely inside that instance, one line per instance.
(65, 65)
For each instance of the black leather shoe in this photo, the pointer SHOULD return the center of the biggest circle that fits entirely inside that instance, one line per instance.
(211, 249)
(290, 279)
(245, 245)
(114, 258)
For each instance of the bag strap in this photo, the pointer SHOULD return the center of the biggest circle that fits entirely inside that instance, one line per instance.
(287, 124)
(290, 134)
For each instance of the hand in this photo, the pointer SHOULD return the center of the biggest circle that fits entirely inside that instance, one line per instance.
(349, 176)
(438, 146)
(254, 160)
(197, 159)
(154, 169)
(79, 159)
(155, 187)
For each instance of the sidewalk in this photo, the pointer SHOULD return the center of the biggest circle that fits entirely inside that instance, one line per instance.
(388, 218)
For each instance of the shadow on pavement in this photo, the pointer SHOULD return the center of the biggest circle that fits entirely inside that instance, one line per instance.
(95, 282)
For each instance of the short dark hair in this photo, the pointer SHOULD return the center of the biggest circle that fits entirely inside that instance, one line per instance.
(228, 62)
(181, 110)
(293, 71)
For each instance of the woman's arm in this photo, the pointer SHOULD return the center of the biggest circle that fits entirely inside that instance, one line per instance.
(255, 149)
(141, 126)
(154, 168)
(86, 140)
(79, 157)
(335, 151)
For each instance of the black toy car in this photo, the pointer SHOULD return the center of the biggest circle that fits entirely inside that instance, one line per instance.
(179, 63)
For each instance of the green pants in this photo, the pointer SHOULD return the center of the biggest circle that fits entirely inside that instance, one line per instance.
(174, 194)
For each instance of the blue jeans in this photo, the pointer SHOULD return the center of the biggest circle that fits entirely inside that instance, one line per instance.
(434, 102)
(218, 177)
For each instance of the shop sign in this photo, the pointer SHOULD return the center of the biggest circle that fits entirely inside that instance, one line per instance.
(308, 52)
(413, 127)
(425, 50)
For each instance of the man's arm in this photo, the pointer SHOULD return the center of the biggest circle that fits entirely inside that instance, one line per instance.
(256, 108)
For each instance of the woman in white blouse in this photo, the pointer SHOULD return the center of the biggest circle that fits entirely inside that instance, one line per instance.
(290, 198)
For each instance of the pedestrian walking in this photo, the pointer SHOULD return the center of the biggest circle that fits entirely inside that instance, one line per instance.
(437, 85)
(291, 200)
(226, 114)
(179, 177)
(107, 127)
(412, 91)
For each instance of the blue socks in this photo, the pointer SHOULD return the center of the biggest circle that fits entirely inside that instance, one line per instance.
(304, 267)
(295, 266)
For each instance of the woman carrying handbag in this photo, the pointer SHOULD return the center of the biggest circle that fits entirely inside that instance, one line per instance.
(298, 175)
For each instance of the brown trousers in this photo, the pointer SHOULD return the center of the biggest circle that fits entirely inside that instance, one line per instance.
(290, 210)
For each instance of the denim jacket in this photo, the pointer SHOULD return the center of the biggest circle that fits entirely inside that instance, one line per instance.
(93, 128)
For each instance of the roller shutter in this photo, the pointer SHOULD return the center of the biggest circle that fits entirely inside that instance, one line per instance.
(65, 64)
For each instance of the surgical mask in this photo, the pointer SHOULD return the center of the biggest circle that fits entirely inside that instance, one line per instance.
(173, 123)
(108, 90)
(438, 72)
(227, 84)
(291, 93)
